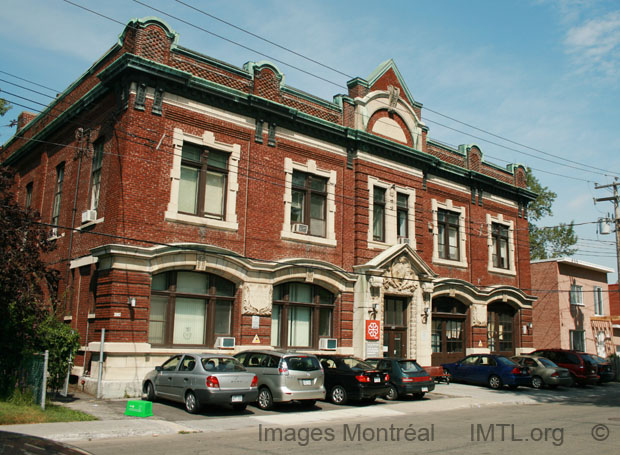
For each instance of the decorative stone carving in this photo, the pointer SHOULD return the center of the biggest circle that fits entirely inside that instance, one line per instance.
(257, 299)
(201, 263)
(400, 277)
(375, 281)
(393, 95)
(478, 314)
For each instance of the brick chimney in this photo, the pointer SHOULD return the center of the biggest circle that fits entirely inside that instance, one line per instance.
(24, 119)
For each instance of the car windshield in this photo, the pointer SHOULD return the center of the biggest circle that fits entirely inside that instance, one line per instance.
(409, 366)
(547, 363)
(505, 361)
(587, 358)
(221, 364)
(302, 363)
(355, 364)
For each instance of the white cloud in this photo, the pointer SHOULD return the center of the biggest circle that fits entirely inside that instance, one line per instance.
(595, 45)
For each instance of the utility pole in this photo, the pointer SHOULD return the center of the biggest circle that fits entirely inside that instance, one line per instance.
(615, 200)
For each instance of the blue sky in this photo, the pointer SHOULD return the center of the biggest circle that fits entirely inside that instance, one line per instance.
(540, 73)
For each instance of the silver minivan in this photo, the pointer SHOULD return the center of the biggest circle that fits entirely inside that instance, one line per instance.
(285, 376)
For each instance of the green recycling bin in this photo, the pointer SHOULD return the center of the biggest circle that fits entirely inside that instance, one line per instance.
(139, 408)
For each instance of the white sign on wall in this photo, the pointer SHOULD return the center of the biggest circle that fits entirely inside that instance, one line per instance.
(373, 349)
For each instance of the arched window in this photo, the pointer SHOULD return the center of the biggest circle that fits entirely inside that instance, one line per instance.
(448, 338)
(302, 313)
(190, 308)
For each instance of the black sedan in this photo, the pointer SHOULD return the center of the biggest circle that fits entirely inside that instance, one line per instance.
(406, 377)
(349, 378)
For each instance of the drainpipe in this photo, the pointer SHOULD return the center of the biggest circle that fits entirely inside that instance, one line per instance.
(100, 373)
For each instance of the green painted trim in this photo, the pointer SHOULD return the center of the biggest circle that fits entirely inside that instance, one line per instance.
(358, 81)
(382, 69)
(145, 22)
(251, 66)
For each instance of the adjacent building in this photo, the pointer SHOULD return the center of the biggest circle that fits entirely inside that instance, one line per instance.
(200, 206)
(573, 306)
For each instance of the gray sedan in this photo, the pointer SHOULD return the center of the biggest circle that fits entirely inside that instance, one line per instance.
(544, 371)
(198, 379)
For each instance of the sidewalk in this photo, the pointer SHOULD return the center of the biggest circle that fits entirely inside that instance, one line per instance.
(114, 424)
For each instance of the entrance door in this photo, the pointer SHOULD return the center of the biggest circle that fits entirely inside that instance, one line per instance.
(395, 327)
(501, 329)
(449, 330)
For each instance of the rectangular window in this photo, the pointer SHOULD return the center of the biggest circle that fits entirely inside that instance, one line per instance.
(203, 182)
(309, 203)
(402, 215)
(577, 340)
(448, 232)
(28, 201)
(60, 175)
(576, 294)
(500, 246)
(378, 214)
(95, 175)
(598, 301)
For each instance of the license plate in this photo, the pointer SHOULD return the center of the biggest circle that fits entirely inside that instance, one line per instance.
(377, 379)
(237, 398)
(424, 389)
(306, 382)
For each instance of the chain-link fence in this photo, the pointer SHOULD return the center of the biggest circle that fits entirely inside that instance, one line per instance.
(31, 379)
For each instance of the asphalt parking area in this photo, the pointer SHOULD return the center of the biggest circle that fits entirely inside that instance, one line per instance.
(173, 411)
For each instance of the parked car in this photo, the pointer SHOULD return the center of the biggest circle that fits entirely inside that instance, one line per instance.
(493, 370)
(349, 378)
(199, 379)
(406, 377)
(544, 371)
(285, 376)
(581, 366)
(604, 369)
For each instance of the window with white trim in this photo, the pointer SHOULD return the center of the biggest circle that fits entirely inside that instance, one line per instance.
(500, 243)
(576, 294)
(391, 214)
(95, 174)
(578, 340)
(204, 181)
(309, 203)
(449, 239)
(598, 301)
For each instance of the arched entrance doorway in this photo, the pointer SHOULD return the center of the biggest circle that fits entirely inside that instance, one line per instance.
(501, 328)
(449, 330)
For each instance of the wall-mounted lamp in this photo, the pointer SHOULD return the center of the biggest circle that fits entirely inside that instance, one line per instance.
(374, 309)
(425, 315)
(131, 301)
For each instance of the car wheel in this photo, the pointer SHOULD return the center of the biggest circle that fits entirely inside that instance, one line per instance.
(418, 395)
(338, 395)
(537, 382)
(191, 403)
(495, 382)
(239, 407)
(149, 392)
(392, 393)
(265, 399)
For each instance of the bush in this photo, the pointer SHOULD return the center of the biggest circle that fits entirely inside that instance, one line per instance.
(62, 342)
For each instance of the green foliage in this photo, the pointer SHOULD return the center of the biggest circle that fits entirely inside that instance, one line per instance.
(27, 287)
(547, 242)
(62, 342)
(4, 106)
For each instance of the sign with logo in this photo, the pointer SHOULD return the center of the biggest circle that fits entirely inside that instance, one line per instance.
(256, 340)
(373, 330)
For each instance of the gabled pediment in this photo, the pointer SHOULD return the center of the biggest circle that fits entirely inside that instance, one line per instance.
(388, 259)
(387, 74)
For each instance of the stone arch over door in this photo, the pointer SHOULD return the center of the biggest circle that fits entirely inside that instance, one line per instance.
(503, 334)
(450, 329)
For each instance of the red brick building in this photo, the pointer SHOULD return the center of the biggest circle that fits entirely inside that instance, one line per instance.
(203, 205)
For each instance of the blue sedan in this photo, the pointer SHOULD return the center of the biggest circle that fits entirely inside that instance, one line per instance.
(492, 370)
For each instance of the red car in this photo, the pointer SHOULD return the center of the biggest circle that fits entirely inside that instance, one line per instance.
(582, 367)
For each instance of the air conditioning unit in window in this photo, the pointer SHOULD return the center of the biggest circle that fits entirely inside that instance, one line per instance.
(404, 240)
(299, 228)
(328, 344)
(88, 216)
(225, 342)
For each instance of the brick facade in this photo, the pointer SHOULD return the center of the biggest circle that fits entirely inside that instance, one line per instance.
(147, 98)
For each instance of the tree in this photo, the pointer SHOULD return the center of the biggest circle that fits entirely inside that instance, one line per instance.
(4, 106)
(28, 297)
(547, 242)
